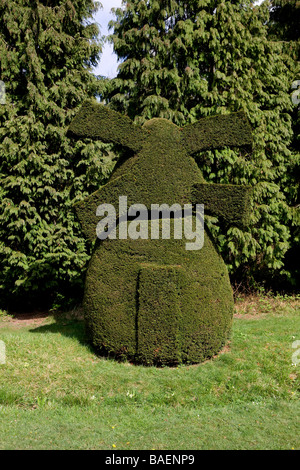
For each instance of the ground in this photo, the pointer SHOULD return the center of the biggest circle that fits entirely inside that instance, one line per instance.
(55, 393)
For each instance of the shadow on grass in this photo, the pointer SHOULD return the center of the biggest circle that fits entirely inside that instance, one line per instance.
(74, 329)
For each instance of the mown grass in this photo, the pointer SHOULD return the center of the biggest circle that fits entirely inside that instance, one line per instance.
(55, 393)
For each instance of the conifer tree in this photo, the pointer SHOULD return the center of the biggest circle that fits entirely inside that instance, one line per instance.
(285, 20)
(187, 60)
(284, 26)
(47, 49)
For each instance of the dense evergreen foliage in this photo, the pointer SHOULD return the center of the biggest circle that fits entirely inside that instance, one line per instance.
(284, 26)
(179, 60)
(285, 20)
(47, 50)
(187, 60)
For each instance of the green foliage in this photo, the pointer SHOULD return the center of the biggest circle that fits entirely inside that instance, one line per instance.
(47, 50)
(160, 322)
(191, 304)
(150, 171)
(284, 26)
(233, 203)
(218, 131)
(153, 301)
(188, 60)
(99, 122)
(285, 20)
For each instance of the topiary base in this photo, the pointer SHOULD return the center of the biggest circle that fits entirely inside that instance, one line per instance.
(154, 303)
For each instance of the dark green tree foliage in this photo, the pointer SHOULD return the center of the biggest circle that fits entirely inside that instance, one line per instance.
(187, 60)
(285, 20)
(284, 27)
(47, 50)
(152, 300)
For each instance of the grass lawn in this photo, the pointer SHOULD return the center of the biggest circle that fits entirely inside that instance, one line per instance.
(55, 393)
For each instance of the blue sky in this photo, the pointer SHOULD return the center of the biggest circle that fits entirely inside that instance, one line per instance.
(108, 64)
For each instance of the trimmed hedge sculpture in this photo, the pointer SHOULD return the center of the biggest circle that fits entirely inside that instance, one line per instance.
(152, 301)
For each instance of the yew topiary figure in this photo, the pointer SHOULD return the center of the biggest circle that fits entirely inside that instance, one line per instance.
(152, 301)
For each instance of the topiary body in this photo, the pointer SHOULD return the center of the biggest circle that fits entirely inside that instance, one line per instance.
(153, 301)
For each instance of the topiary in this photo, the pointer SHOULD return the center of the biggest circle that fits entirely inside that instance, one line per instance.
(152, 301)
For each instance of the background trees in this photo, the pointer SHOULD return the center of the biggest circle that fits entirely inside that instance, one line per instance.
(186, 60)
(179, 60)
(285, 20)
(284, 26)
(47, 50)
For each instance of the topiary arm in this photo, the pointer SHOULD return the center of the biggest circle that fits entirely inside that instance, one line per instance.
(108, 194)
(97, 121)
(232, 130)
(232, 202)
